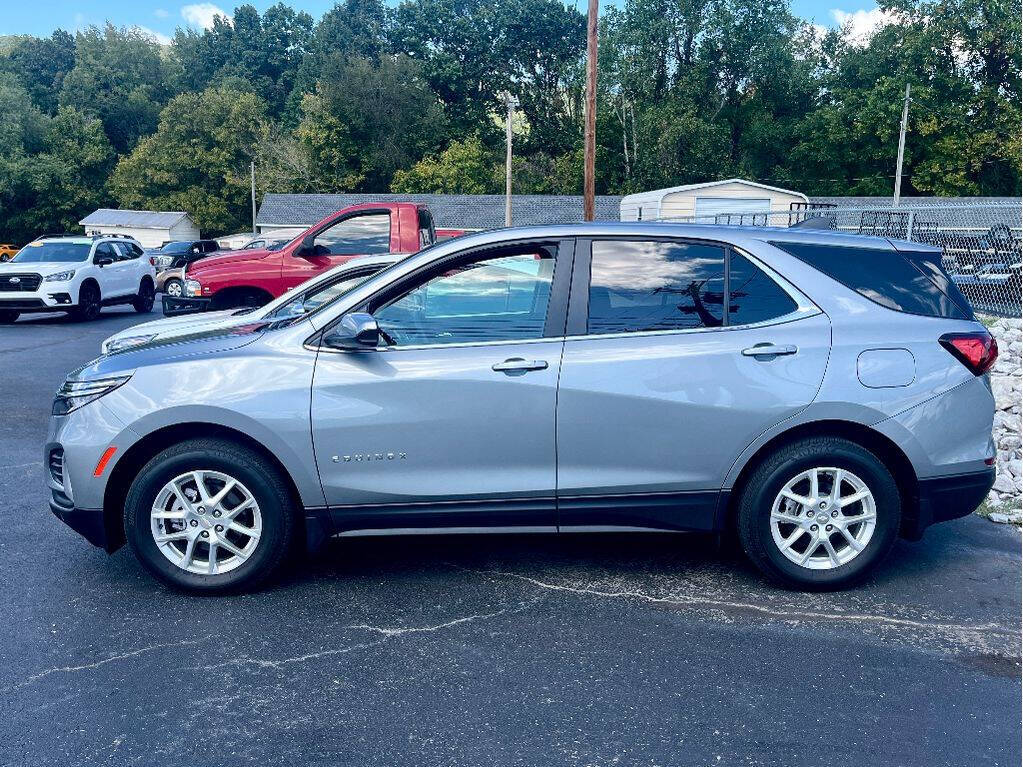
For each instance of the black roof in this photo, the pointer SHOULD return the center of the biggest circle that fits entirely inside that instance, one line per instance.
(456, 211)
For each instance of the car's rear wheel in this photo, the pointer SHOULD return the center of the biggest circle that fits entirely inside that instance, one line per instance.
(819, 514)
(146, 296)
(7, 316)
(174, 288)
(209, 515)
(89, 303)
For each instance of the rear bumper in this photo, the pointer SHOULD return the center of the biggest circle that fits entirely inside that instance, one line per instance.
(945, 498)
(172, 307)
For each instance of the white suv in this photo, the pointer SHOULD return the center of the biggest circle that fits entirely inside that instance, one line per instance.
(78, 275)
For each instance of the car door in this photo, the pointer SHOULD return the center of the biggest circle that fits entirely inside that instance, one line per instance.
(112, 277)
(664, 382)
(362, 233)
(451, 421)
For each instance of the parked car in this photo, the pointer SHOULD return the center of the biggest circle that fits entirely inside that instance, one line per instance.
(818, 393)
(7, 252)
(78, 275)
(171, 259)
(305, 298)
(255, 277)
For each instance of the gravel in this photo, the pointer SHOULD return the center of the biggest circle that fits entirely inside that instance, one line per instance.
(1005, 497)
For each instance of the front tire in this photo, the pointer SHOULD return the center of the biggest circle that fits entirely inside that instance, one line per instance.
(143, 302)
(89, 303)
(174, 288)
(819, 514)
(209, 515)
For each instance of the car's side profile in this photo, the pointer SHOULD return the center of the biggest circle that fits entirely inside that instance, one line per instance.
(78, 275)
(818, 393)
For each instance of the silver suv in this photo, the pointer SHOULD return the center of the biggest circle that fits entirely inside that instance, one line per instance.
(819, 394)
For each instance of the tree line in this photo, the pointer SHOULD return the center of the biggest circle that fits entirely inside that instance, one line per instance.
(408, 99)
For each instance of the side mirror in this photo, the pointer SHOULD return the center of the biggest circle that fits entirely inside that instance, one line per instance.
(308, 246)
(103, 261)
(357, 331)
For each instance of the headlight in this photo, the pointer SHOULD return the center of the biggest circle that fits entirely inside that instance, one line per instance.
(163, 260)
(116, 344)
(60, 276)
(74, 394)
(193, 288)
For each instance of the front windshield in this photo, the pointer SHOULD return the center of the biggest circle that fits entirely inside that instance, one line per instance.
(53, 252)
(176, 247)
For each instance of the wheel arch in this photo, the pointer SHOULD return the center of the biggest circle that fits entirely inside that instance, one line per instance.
(142, 451)
(89, 281)
(226, 298)
(893, 456)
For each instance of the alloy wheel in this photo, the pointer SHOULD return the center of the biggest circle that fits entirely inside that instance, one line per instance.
(206, 522)
(823, 518)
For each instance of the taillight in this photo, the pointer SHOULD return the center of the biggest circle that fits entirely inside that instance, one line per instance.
(152, 260)
(978, 351)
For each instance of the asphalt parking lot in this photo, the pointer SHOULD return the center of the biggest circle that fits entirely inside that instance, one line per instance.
(517, 650)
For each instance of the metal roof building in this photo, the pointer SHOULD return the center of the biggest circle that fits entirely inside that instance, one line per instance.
(150, 228)
(455, 211)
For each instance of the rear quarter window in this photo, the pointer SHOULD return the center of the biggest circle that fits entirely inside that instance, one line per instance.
(900, 281)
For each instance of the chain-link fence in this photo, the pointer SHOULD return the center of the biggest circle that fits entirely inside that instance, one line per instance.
(980, 243)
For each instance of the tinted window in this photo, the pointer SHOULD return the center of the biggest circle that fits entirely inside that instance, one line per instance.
(176, 247)
(637, 286)
(884, 276)
(104, 250)
(752, 295)
(500, 298)
(53, 252)
(370, 233)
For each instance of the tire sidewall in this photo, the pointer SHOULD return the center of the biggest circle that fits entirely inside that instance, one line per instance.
(88, 310)
(146, 297)
(842, 455)
(180, 285)
(152, 478)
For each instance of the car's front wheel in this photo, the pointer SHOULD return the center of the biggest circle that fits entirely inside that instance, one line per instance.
(174, 288)
(819, 513)
(89, 303)
(145, 297)
(209, 515)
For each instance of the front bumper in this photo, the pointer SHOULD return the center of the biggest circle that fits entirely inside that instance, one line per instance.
(945, 498)
(58, 299)
(88, 523)
(172, 307)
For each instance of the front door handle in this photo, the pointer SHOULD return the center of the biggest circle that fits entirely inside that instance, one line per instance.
(769, 350)
(519, 365)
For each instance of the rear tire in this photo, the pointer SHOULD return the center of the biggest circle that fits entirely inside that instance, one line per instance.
(270, 512)
(777, 530)
(8, 316)
(143, 302)
(89, 303)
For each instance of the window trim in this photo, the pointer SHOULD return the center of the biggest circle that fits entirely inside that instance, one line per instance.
(578, 312)
(557, 305)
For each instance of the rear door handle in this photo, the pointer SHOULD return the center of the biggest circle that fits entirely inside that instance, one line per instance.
(769, 350)
(518, 364)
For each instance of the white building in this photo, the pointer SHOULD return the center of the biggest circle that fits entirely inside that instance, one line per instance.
(702, 202)
(150, 228)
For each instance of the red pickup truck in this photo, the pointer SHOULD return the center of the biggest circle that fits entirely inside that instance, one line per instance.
(254, 277)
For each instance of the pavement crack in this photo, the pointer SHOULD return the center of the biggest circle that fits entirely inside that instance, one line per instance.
(103, 662)
(786, 614)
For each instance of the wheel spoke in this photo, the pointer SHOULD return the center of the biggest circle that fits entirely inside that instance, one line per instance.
(251, 532)
(169, 514)
(199, 478)
(179, 535)
(232, 548)
(846, 521)
(832, 554)
(213, 559)
(851, 540)
(836, 489)
(800, 499)
(186, 560)
(814, 483)
(796, 535)
(814, 545)
(217, 499)
(857, 496)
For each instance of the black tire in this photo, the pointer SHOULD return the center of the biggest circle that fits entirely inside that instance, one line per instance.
(762, 487)
(89, 303)
(143, 302)
(8, 316)
(261, 478)
(174, 288)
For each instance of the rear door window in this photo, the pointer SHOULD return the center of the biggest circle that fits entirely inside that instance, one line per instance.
(887, 277)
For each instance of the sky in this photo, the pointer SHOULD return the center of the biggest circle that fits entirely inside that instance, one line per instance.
(161, 17)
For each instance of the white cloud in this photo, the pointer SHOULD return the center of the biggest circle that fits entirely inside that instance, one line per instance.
(859, 26)
(161, 13)
(201, 14)
(152, 34)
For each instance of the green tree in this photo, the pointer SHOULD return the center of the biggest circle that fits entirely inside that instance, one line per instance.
(465, 167)
(200, 164)
(367, 121)
(41, 64)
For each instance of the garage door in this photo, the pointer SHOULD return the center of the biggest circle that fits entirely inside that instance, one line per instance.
(709, 208)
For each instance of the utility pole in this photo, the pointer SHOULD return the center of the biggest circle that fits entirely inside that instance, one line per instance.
(511, 102)
(590, 131)
(902, 146)
(252, 179)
